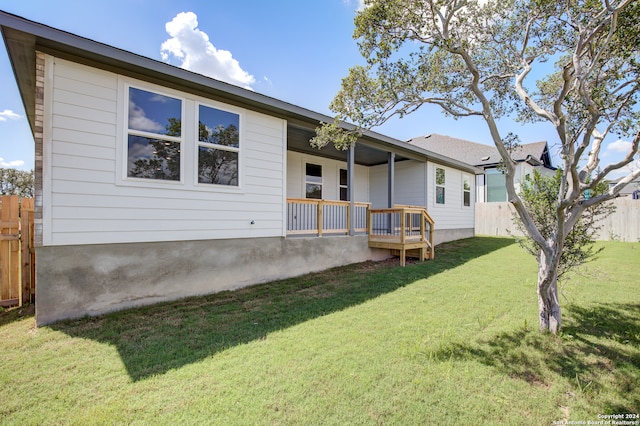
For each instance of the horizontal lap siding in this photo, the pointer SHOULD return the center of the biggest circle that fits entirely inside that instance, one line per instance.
(86, 204)
(409, 184)
(415, 185)
(451, 215)
(330, 177)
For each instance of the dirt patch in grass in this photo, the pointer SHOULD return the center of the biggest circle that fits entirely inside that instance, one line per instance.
(8, 315)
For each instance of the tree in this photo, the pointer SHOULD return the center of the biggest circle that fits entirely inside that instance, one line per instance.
(17, 182)
(539, 195)
(218, 166)
(478, 59)
(164, 164)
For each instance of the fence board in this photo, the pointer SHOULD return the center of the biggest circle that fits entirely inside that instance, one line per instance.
(10, 249)
(28, 255)
(17, 257)
(623, 225)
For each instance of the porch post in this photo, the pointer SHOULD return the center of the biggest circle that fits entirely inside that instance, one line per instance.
(391, 180)
(351, 156)
(390, 188)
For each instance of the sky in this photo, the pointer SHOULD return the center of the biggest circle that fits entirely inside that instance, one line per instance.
(295, 51)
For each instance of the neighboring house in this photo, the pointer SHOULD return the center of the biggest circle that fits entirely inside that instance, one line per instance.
(155, 183)
(491, 186)
(632, 189)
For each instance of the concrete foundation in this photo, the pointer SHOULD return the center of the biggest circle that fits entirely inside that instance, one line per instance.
(444, 235)
(74, 281)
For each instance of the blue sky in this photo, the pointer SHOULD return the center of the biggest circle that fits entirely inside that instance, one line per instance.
(296, 51)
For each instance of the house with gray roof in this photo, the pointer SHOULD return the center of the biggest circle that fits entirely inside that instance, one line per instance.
(490, 186)
(155, 183)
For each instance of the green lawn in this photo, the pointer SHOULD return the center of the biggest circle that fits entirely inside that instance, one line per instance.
(448, 341)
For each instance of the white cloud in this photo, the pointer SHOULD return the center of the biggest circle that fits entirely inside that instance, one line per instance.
(7, 114)
(619, 146)
(359, 4)
(196, 53)
(623, 171)
(12, 164)
(138, 120)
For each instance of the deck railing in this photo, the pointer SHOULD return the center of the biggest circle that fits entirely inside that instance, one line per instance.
(402, 228)
(310, 216)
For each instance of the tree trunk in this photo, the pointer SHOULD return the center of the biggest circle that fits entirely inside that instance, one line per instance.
(548, 302)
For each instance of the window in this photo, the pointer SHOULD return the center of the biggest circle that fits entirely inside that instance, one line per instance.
(496, 185)
(466, 191)
(218, 146)
(154, 132)
(313, 181)
(344, 192)
(440, 182)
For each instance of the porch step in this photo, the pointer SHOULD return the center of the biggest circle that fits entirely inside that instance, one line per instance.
(412, 253)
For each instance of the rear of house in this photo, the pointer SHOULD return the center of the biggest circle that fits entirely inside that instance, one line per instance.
(154, 183)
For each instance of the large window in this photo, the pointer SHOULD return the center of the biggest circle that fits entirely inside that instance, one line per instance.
(171, 139)
(313, 181)
(440, 185)
(218, 146)
(496, 185)
(154, 133)
(466, 191)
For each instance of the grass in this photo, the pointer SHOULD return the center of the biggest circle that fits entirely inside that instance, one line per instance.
(448, 341)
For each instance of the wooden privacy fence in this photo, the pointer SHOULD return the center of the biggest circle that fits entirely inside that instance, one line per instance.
(17, 257)
(623, 225)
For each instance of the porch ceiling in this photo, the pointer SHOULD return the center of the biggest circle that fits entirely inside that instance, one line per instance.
(298, 141)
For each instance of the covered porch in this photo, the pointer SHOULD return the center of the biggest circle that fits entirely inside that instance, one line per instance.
(312, 209)
(405, 230)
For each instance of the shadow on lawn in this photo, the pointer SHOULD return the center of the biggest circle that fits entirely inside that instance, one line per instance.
(155, 339)
(598, 353)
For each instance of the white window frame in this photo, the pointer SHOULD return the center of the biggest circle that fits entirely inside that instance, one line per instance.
(437, 185)
(345, 186)
(124, 144)
(240, 150)
(321, 184)
(189, 140)
(466, 178)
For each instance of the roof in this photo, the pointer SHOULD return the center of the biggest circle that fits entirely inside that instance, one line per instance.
(481, 155)
(23, 38)
(631, 187)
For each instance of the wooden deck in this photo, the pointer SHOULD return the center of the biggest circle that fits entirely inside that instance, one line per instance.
(405, 230)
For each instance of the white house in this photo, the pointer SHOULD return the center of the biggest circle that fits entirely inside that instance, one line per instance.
(154, 183)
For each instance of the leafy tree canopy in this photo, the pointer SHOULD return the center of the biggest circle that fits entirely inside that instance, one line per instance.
(572, 64)
(17, 182)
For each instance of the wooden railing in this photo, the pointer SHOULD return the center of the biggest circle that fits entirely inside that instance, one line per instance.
(402, 228)
(310, 216)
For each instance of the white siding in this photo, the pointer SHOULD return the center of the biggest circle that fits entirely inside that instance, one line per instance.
(90, 204)
(330, 177)
(452, 214)
(409, 184)
(480, 189)
(414, 185)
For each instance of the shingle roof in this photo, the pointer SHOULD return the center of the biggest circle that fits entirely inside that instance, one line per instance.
(478, 154)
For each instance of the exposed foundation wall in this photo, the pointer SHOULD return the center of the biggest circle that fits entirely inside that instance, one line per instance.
(74, 281)
(444, 235)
